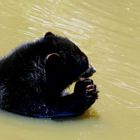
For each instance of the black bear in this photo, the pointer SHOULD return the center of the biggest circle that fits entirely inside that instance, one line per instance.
(34, 76)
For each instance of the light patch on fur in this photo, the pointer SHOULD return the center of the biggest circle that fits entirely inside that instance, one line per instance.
(36, 75)
(2, 93)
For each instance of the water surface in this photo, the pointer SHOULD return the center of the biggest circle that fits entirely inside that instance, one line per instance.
(108, 31)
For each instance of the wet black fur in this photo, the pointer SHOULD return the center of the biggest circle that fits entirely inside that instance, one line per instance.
(32, 84)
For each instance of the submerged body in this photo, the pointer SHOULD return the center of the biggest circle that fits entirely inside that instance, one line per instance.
(34, 76)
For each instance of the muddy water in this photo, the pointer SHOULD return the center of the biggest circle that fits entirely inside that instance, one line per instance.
(109, 33)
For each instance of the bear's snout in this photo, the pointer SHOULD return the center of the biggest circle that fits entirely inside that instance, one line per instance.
(89, 72)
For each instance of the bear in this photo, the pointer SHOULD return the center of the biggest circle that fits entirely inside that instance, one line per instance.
(34, 76)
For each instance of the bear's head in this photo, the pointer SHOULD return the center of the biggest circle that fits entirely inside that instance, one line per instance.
(64, 61)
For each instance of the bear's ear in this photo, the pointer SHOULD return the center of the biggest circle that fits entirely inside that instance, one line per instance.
(52, 56)
(53, 60)
(49, 34)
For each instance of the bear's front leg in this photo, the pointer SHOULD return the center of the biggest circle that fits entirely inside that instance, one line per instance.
(85, 94)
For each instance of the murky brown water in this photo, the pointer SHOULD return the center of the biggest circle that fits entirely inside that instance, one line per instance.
(109, 32)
